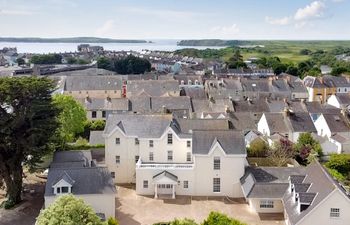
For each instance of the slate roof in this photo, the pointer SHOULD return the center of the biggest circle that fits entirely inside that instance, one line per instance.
(141, 104)
(260, 85)
(189, 125)
(81, 157)
(92, 180)
(267, 190)
(86, 83)
(299, 188)
(318, 108)
(336, 123)
(142, 126)
(243, 121)
(171, 103)
(232, 142)
(301, 122)
(152, 87)
(96, 137)
(118, 104)
(344, 99)
(276, 123)
(251, 106)
(280, 86)
(306, 198)
(86, 72)
(267, 182)
(333, 81)
(196, 92)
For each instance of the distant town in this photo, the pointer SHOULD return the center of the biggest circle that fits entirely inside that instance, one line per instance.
(244, 134)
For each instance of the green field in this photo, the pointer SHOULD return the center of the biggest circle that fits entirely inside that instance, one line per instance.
(287, 51)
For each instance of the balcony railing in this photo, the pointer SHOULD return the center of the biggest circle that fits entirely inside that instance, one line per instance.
(164, 166)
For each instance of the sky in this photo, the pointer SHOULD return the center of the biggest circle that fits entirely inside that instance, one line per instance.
(177, 19)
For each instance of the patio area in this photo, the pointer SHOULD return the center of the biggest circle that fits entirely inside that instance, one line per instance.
(132, 209)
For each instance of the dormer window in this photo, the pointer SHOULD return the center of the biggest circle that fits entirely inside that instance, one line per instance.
(64, 185)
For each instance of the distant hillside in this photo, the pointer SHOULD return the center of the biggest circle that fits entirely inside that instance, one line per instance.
(68, 40)
(212, 42)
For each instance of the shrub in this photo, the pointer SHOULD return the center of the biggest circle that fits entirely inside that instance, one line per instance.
(258, 148)
(216, 218)
(68, 209)
(338, 176)
(340, 163)
(112, 221)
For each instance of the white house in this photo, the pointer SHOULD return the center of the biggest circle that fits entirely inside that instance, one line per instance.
(288, 124)
(166, 156)
(340, 101)
(304, 195)
(73, 172)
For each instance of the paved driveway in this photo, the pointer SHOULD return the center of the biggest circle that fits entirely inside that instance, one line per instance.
(134, 210)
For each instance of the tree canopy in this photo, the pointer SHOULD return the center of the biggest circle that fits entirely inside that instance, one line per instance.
(68, 210)
(128, 65)
(72, 117)
(27, 124)
(46, 59)
(214, 218)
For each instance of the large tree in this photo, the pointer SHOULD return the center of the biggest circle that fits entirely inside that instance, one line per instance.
(281, 152)
(27, 123)
(69, 210)
(72, 118)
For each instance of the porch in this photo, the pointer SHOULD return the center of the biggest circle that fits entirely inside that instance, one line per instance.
(165, 184)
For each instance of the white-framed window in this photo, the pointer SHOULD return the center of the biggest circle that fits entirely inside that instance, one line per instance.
(137, 142)
(117, 141)
(65, 189)
(216, 184)
(170, 155)
(188, 143)
(145, 184)
(151, 143)
(151, 158)
(216, 163)
(62, 190)
(170, 139)
(266, 204)
(137, 158)
(188, 157)
(117, 159)
(93, 114)
(186, 184)
(103, 114)
(334, 213)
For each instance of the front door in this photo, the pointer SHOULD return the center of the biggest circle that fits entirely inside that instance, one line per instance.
(165, 189)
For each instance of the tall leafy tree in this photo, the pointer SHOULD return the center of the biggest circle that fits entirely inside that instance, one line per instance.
(69, 210)
(72, 118)
(27, 124)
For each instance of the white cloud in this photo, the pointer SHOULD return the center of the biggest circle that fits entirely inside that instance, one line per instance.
(106, 28)
(9, 12)
(278, 21)
(225, 31)
(303, 16)
(313, 10)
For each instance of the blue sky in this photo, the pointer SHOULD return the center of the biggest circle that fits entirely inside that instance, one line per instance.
(177, 19)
